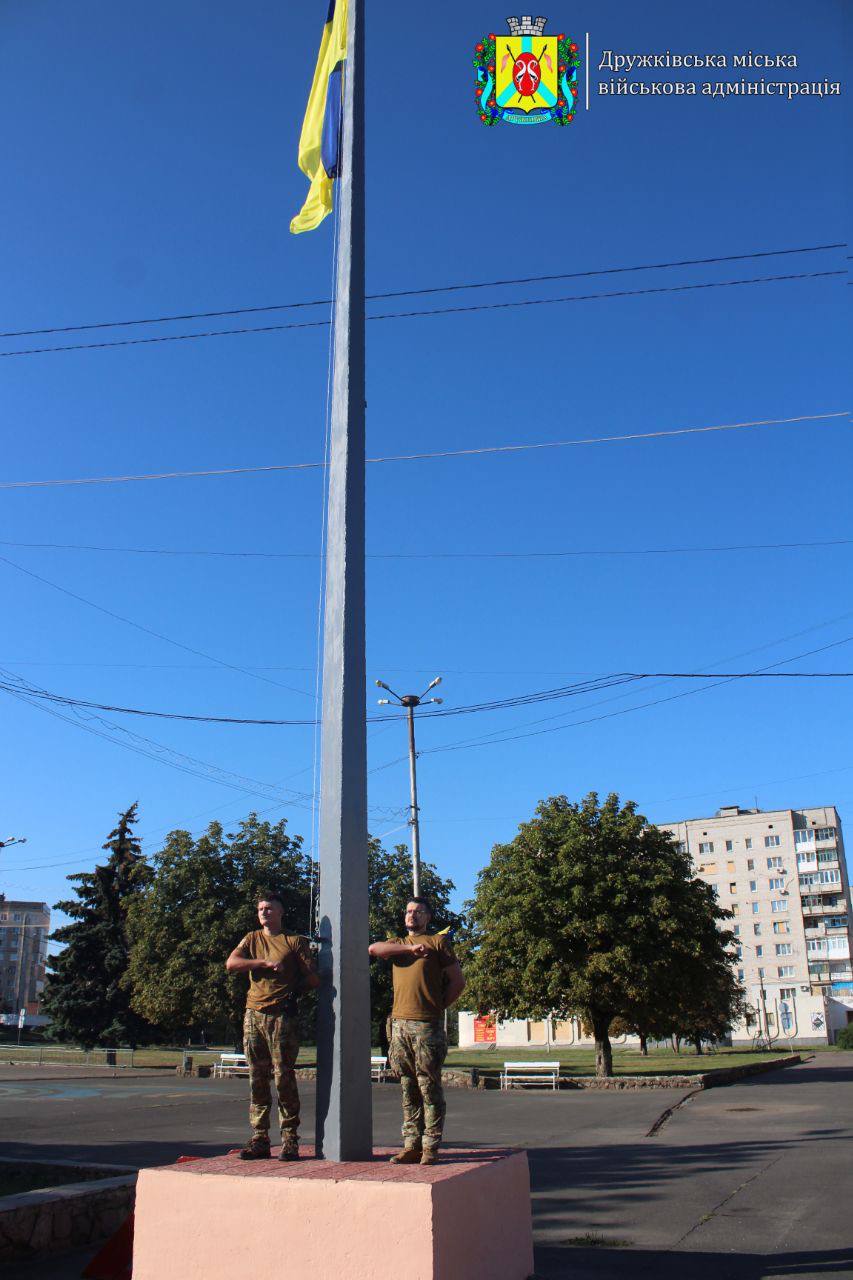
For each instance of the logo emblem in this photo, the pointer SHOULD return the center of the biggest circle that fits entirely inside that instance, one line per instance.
(527, 77)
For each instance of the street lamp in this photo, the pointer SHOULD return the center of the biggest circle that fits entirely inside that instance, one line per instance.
(410, 701)
(4, 844)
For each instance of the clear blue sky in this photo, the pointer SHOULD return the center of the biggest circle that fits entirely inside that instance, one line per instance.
(151, 169)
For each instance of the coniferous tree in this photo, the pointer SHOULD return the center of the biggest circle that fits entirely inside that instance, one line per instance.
(85, 997)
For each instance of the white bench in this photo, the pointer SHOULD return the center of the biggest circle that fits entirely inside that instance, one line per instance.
(530, 1073)
(231, 1064)
(378, 1069)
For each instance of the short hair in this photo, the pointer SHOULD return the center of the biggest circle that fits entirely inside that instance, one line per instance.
(269, 897)
(423, 902)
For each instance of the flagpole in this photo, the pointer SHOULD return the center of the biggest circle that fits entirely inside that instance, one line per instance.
(344, 1118)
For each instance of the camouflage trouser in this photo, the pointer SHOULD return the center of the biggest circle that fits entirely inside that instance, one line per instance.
(416, 1054)
(271, 1043)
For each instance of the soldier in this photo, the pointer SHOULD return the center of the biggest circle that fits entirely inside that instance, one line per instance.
(279, 966)
(427, 980)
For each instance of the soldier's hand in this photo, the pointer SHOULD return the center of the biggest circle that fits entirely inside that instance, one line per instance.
(420, 952)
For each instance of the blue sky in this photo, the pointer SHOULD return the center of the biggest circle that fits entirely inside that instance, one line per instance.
(151, 171)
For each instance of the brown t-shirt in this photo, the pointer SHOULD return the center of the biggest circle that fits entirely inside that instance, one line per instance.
(269, 992)
(418, 984)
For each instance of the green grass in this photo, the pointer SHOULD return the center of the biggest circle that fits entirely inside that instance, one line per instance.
(575, 1062)
(626, 1062)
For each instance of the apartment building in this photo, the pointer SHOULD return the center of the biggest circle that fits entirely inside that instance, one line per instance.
(24, 928)
(782, 873)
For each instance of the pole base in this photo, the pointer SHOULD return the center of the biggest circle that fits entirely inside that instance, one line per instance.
(465, 1218)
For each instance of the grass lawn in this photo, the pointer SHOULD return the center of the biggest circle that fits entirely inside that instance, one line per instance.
(575, 1062)
(626, 1062)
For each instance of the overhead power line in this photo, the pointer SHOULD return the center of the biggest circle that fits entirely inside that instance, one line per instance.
(414, 293)
(523, 700)
(177, 552)
(478, 451)
(423, 312)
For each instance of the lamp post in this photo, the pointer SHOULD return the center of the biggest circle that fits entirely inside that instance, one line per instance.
(410, 701)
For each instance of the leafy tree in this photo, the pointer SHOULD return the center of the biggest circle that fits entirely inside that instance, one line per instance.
(390, 888)
(85, 996)
(200, 901)
(590, 911)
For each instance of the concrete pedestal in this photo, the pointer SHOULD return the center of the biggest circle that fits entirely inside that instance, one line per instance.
(466, 1218)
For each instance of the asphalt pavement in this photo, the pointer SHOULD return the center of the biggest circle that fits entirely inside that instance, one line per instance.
(739, 1183)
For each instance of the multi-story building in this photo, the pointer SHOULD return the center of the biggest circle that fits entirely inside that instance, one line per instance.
(782, 874)
(24, 928)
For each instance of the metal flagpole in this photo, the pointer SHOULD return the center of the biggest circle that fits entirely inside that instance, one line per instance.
(344, 1119)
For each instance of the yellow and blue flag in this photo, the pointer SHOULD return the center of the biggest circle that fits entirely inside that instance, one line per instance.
(319, 142)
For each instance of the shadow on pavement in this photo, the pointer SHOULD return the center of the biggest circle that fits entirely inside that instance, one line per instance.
(640, 1264)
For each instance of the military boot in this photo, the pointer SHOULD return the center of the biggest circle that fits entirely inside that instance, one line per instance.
(257, 1148)
(409, 1155)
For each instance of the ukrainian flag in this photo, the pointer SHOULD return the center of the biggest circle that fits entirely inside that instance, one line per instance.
(319, 141)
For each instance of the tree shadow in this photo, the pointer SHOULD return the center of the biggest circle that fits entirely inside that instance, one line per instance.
(566, 1263)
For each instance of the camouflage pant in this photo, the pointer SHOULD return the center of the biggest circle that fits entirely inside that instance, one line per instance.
(416, 1054)
(271, 1043)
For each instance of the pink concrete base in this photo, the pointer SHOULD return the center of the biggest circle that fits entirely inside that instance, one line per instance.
(466, 1218)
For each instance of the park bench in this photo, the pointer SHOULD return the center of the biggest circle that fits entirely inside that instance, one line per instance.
(378, 1069)
(231, 1064)
(524, 1073)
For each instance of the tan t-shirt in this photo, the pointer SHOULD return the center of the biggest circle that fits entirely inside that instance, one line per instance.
(418, 984)
(269, 992)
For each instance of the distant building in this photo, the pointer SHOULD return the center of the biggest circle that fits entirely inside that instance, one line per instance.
(24, 927)
(783, 875)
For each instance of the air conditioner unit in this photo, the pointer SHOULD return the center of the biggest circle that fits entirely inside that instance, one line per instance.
(807, 989)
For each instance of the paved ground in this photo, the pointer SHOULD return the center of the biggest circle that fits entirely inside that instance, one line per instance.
(742, 1183)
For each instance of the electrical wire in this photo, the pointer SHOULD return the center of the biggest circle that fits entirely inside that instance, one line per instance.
(158, 635)
(423, 312)
(412, 293)
(503, 704)
(478, 451)
(431, 555)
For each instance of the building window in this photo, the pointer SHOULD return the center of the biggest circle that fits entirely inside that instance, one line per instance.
(788, 993)
(777, 885)
(759, 950)
(836, 944)
(761, 973)
(739, 952)
(778, 905)
(733, 887)
(753, 886)
(774, 862)
(715, 889)
(755, 908)
(729, 846)
(740, 975)
(827, 855)
(756, 929)
(735, 909)
(748, 842)
(783, 948)
(706, 846)
(804, 859)
(736, 930)
(804, 837)
(681, 847)
(730, 866)
(771, 842)
(825, 833)
(836, 922)
(785, 970)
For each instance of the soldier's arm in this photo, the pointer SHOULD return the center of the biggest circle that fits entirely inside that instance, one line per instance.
(308, 977)
(454, 983)
(396, 951)
(240, 961)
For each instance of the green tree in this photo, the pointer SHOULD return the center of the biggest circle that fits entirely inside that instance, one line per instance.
(200, 901)
(590, 911)
(85, 997)
(390, 888)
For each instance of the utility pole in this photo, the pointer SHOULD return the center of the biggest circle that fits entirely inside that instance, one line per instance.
(410, 701)
(344, 1113)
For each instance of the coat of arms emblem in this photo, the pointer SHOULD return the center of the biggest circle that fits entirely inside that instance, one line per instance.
(526, 77)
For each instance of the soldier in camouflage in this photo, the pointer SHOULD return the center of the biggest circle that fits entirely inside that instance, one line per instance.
(279, 966)
(427, 980)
